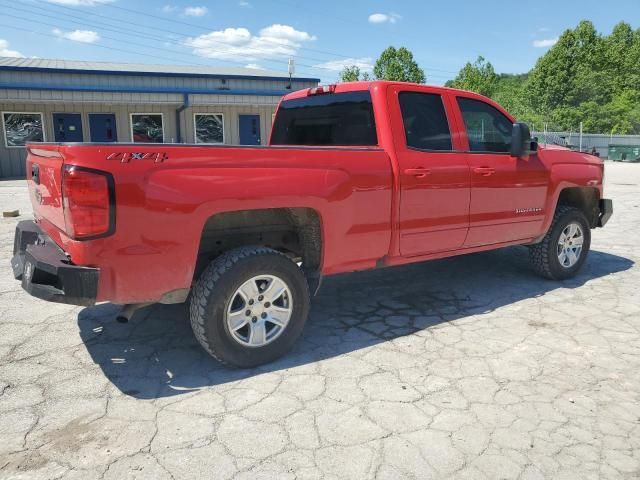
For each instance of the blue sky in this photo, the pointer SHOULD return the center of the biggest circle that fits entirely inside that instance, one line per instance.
(322, 36)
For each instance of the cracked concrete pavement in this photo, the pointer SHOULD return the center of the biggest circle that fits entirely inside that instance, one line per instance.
(469, 368)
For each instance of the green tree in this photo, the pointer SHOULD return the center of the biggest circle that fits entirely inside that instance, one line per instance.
(399, 65)
(553, 78)
(352, 73)
(585, 77)
(479, 77)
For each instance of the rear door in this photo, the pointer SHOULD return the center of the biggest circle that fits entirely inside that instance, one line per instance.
(508, 194)
(434, 178)
(67, 127)
(102, 127)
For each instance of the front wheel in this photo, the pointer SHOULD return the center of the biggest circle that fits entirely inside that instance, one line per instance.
(249, 306)
(564, 249)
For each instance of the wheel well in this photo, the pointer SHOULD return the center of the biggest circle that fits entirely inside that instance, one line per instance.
(583, 198)
(293, 231)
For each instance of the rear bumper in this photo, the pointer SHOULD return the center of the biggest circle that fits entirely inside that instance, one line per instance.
(606, 210)
(45, 270)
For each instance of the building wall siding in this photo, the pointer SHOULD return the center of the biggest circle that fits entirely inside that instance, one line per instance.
(12, 159)
(38, 94)
(141, 81)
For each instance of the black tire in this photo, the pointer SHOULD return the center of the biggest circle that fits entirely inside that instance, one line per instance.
(214, 290)
(544, 255)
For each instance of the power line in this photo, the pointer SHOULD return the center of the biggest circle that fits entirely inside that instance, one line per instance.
(193, 25)
(200, 27)
(144, 35)
(129, 42)
(107, 47)
(110, 26)
(155, 47)
(350, 22)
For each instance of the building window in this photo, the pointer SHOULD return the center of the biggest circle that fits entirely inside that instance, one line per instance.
(20, 128)
(209, 127)
(147, 128)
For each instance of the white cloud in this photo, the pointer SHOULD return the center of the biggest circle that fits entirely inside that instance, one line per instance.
(195, 11)
(5, 52)
(384, 18)
(271, 42)
(82, 36)
(363, 63)
(285, 33)
(245, 4)
(80, 3)
(547, 42)
(169, 8)
(254, 66)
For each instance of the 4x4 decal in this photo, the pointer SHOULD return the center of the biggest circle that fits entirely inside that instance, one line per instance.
(126, 157)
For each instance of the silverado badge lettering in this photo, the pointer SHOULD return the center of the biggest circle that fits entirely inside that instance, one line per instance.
(528, 210)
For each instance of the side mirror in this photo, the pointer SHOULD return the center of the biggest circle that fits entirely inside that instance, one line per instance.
(520, 140)
(534, 144)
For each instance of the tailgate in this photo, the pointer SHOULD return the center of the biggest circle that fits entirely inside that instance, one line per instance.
(44, 178)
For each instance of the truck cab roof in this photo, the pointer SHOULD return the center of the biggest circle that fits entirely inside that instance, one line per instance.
(370, 84)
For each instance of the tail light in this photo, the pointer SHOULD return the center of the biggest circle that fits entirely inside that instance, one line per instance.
(88, 201)
(321, 90)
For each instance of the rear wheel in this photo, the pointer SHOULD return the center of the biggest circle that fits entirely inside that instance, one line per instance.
(249, 306)
(564, 249)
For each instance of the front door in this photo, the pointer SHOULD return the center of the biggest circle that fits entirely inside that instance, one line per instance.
(434, 179)
(249, 129)
(508, 194)
(67, 127)
(102, 127)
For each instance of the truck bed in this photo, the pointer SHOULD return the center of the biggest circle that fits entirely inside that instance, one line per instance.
(164, 194)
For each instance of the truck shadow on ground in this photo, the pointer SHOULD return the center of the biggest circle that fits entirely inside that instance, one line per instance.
(156, 355)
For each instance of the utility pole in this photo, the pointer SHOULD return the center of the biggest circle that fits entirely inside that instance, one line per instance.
(580, 148)
(291, 69)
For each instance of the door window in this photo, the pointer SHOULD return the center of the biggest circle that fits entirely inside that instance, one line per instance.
(425, 121)
(488, 129)
(108, 129)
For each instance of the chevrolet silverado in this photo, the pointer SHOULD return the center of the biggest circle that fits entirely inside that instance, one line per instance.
(356, 176)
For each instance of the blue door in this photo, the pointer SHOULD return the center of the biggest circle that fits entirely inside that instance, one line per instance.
(102, 127)
(249, 129)
(67, 127)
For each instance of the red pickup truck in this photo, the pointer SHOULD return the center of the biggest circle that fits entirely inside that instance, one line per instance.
(357, 176)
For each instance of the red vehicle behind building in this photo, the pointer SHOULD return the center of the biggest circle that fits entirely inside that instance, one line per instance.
(357, 176)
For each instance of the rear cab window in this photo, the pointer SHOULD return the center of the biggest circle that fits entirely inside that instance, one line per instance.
(339, 119)
(425, 121)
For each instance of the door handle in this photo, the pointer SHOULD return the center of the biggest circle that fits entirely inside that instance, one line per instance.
(484, 171)
(417, 172)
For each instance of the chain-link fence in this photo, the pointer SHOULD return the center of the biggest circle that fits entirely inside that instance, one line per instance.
(588, 142)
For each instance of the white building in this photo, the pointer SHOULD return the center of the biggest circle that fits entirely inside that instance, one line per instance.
(73, 101)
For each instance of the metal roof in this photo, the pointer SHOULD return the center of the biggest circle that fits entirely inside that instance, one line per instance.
(108, 68)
